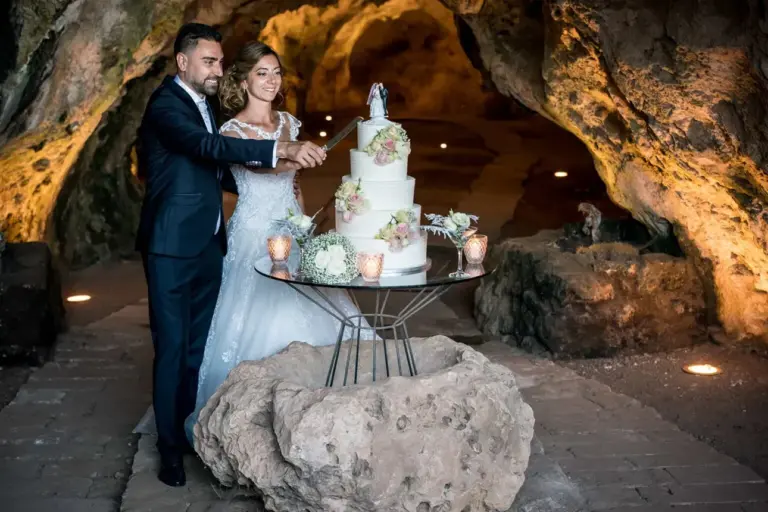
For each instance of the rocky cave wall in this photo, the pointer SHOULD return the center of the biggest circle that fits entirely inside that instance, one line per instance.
(668, 95)
(670, 99)
(74, 86)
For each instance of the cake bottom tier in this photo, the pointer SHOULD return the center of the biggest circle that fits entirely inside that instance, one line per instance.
(412, 257)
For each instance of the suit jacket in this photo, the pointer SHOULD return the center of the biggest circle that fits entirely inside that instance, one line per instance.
(180, 161)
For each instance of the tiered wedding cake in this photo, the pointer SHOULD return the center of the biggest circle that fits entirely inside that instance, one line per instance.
(374, 204)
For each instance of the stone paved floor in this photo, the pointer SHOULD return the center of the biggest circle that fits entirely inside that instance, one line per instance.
(66, 442)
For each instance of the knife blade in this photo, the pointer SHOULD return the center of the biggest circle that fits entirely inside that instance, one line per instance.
(342, 134)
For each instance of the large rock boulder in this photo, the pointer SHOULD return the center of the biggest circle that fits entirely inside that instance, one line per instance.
(31, 308)
(590, 301)
(454, 438)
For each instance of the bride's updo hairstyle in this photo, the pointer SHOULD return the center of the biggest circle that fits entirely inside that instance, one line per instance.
(231, 93)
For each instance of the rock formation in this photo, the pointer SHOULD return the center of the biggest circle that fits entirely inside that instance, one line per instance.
(592, 300)
(454, 438)
(669, 97)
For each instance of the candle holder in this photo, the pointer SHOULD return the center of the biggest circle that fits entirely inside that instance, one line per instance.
(475, 249)
(279, 248)
(370, 265)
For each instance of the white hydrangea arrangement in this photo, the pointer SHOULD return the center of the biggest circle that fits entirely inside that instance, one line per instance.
(329, 258)
(300, 226)
(456, 226)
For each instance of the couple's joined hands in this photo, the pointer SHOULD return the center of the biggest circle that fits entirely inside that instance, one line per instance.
(301, 154)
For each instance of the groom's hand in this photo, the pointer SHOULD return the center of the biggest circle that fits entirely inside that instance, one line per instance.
(305, 153)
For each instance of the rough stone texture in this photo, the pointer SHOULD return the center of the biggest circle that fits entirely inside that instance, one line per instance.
(65, 439)
(670, 98)
(76, 79)
(456, 437)
(596, 301)
(31, 308)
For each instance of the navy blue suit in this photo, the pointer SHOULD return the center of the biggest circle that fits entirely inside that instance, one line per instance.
(181, 162)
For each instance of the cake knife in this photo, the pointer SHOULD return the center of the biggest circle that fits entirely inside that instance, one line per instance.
(343, 133)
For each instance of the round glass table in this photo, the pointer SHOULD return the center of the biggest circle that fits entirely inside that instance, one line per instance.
(427, 286)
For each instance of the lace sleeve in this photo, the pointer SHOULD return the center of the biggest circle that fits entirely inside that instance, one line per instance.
(229, 126)
(295, 125)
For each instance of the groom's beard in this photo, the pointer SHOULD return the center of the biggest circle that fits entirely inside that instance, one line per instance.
(209, 87)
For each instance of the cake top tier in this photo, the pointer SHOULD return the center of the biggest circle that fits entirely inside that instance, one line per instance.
(379, 137)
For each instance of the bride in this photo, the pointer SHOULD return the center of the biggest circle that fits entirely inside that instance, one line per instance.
(255, 317)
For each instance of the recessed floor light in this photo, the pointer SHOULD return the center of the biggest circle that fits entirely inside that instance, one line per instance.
(78, 298)
(701, 369)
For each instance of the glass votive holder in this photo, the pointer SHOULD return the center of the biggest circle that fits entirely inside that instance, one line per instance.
(279, 248)
(370, 265)
(474, 249)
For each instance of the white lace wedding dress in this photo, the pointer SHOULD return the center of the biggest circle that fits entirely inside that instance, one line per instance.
(256, 317)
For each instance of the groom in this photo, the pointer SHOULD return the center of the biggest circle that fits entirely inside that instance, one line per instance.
(181, 234)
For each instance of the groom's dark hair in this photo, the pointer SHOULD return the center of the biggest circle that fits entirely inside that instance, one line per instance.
(190, 33)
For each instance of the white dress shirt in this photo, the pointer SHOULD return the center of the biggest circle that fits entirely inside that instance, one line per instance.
(202, 106)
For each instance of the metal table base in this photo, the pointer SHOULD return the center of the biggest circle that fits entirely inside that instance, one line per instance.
(378, 322)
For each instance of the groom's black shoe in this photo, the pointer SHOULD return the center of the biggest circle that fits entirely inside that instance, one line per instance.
(172, 471)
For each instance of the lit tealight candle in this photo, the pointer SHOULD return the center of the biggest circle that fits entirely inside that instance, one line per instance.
(370, 265)
(475, 249)
(279, 248)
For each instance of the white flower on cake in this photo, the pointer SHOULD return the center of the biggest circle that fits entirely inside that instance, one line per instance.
(350, 200)
(455, 226)
(331, 260)
(399, 231)
(388, 145)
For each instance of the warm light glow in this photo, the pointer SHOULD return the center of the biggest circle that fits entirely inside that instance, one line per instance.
(475, 249)
(701, 369)
(443, 145)
(323, 134)
(79, 298)
(279, 248)
(561, 174)
(370, 265)
(328, 118)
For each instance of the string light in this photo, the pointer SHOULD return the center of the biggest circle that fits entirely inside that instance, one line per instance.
(561, 174)
(323, 134)
(328, 118)
(443, 145)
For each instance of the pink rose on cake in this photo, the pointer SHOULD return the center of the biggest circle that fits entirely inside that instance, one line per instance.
(350, 200)
(399, 232)
(388, 145)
